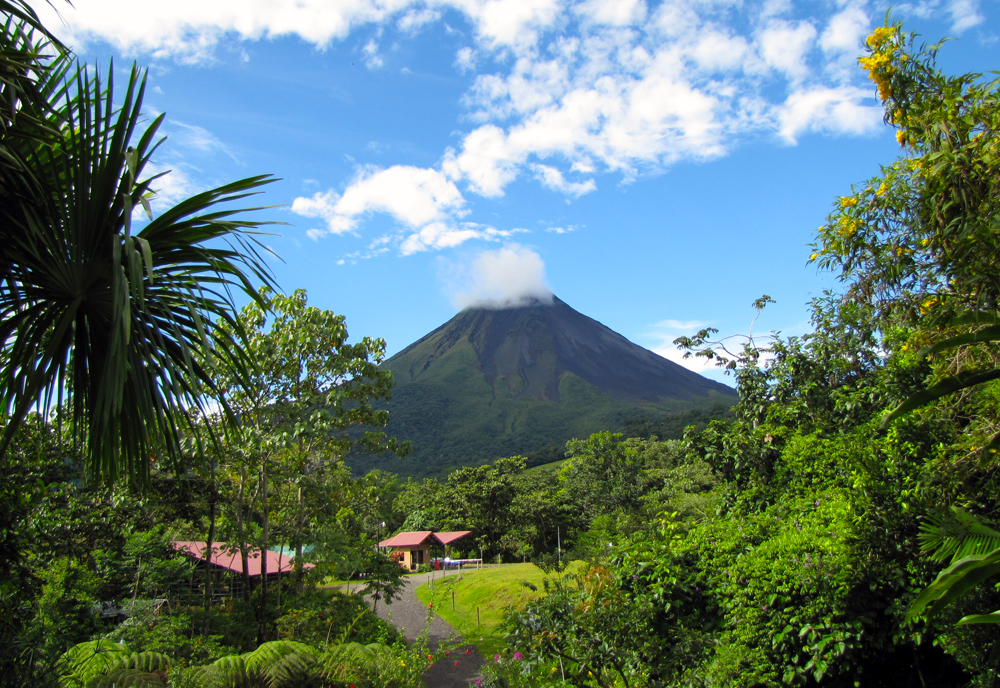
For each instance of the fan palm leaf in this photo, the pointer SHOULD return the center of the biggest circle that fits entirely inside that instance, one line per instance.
(120, 324)
(956, 535)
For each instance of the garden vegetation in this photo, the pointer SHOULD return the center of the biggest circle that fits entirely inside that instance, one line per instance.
(839, 529)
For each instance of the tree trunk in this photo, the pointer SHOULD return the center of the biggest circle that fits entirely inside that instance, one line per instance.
(244, 554)
(213, 498)
(299, 571)
(281, 555)
(265, 522)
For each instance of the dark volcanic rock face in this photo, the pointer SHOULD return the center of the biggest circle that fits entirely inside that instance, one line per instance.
(530, 347)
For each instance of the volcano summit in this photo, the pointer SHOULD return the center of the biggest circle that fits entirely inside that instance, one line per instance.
(495, 382)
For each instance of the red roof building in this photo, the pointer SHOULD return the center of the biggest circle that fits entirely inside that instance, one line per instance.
(224, 561)
(412, 549)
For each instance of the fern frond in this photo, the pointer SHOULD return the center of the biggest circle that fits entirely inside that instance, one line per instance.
(84, 661)
(346, 660)
(142, 661)
(226, 672)
(128, 678)
(955, 535)
(284, 663)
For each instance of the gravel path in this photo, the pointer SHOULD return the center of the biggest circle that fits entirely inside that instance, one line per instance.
(409, 615)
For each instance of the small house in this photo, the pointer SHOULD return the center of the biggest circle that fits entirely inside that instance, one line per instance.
(412, 549)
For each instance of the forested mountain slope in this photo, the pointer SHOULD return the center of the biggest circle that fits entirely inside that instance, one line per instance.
(495, 382)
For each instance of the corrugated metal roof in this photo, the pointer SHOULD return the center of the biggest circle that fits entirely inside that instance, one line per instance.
(448, 538)
(233, 562)
(410, 539)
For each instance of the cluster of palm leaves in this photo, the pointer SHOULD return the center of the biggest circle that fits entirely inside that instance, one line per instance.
(276, 664)
(113, 323)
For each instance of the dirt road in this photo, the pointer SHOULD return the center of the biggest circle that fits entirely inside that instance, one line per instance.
(409, 615)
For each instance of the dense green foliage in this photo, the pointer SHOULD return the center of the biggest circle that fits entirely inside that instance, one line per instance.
(799, 540)
(90, 563)
(828, 513)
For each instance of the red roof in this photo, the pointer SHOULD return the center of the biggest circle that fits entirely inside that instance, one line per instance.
(233, 562)
(411, 539)
(448, 538)
(417, 538)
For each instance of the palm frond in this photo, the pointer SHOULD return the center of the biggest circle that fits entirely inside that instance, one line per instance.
(121, 324)
(955, 535)
(953, 582)
(948, 385)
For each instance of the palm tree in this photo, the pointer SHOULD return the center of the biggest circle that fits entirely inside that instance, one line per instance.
(115, 324)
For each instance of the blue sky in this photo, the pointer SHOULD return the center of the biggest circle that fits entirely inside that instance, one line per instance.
(656, 165)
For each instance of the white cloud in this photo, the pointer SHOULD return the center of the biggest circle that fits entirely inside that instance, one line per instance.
(553, 178)
(487, 162)
(414, 196)
(662, 335)
(416, 19)
(583, 88)
(964, 14)
(197, 138)
(838, 110)
(510, 276)
(438, 235)
(845, 31)
(171, 188)
(785, 46)
(323, 204)
(465, 60)
(372, 58)
(612, 12)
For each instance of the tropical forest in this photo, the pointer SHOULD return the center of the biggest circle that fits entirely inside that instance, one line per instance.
(836, 524)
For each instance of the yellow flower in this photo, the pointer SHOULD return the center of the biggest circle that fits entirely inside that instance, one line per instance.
(879, 35)
(881, 189)
(901, 137)
(924, 242)
(848, 201)
(813, 256)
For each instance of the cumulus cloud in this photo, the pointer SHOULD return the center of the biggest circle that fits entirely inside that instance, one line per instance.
(567, 90)
(414, 196)
(840, 110)
(507, 277)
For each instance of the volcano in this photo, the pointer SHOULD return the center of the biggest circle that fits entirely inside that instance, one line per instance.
(495, 382)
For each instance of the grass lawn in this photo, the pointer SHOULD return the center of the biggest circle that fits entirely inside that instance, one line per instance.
(490, 591)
